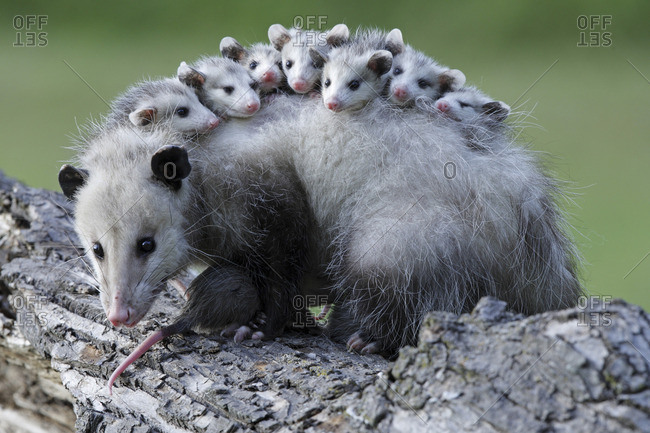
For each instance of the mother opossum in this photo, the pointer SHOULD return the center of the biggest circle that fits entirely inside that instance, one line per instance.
(390, 207)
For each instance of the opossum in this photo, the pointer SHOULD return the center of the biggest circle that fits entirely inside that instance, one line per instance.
(222, 85)
(171, 202)
(167, 101)
(469, 103)
(354, 73)
(294, 45)
(263, 62)
(414, 75)
(405, 218)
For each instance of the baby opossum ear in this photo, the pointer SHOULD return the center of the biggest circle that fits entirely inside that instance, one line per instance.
(380, 62)
(497, 110)
(143, 116)
(278, 35)
(190, 76)
(71, 179)
(395, 42)
(451, 80)
(171, 165)
(232, 49)
(318, 57)
(338, 35)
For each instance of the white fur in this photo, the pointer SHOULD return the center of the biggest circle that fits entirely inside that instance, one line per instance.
(467, 104)
(150, 103)
(262, 61)
(227, 88)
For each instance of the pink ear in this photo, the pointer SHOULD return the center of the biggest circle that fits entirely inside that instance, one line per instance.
(143, 116)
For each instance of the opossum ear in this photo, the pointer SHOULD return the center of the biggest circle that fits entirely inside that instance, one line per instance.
(451, 80)
(380, 62)
(171, 165)
(338, 35)
(190, 76)
(71, 179)
(232, 49)
(497, 110)
(317, 57)
(143, 116)
(278, 35)
(395, 42)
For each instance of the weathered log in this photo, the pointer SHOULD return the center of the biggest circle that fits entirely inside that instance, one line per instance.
(583, 369)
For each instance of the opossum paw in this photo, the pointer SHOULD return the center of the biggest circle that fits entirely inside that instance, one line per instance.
(359, 344)
(259, 335)
(258, 321)
(238, 332)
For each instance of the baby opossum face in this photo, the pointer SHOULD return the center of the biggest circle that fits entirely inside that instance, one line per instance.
(301, 72)
(466, 105)
(131, 227)
(351, 80)
(182, 112)
(414, 75)
(262, 61)
(223, 86)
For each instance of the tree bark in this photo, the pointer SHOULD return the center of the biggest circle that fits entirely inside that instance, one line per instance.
(583, 369)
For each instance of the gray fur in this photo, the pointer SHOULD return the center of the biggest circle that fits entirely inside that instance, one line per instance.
(262, 61)
(395, 232)
(222, 85)
(164, 96)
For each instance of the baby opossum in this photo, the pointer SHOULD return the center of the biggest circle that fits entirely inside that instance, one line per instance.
(166, 101)
(414, 75)
(263, 62)
(354, 73)
(302, 72)
(468, 103)
(222, 85)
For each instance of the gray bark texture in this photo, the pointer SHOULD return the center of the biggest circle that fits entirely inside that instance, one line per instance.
(579, 370)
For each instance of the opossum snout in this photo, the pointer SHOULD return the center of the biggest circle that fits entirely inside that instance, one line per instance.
(443, 106)
(400, 93)
(299, 85)
(333, 104)
(268, 77)
(252, 107)
(213, 123)
(120, 314)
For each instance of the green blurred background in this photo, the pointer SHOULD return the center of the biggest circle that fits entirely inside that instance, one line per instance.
(591, 108)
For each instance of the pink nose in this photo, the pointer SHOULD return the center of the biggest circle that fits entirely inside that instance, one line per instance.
(333, 105)
(442, 106)
(268, 76)
(213, 123)
(252, 107)
(299, 85)
(119, 314)
(400, 93)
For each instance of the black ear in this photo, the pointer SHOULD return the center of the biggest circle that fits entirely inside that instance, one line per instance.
(451, 80)
(190, 76)
(497, 110)
(232, 49)
(317, 57)
(171, 165)
(71, 179)
(338, 35)
(380, 62)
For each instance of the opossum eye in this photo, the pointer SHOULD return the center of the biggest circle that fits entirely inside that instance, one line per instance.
(183, 111)
(463, 104)
(289, 64)
(146, 245)
(397, 71)
(314, 65)
(423, 83)
(327, 83)
(229, 89)
(98, 250)
(253, 65)
(354, 84)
